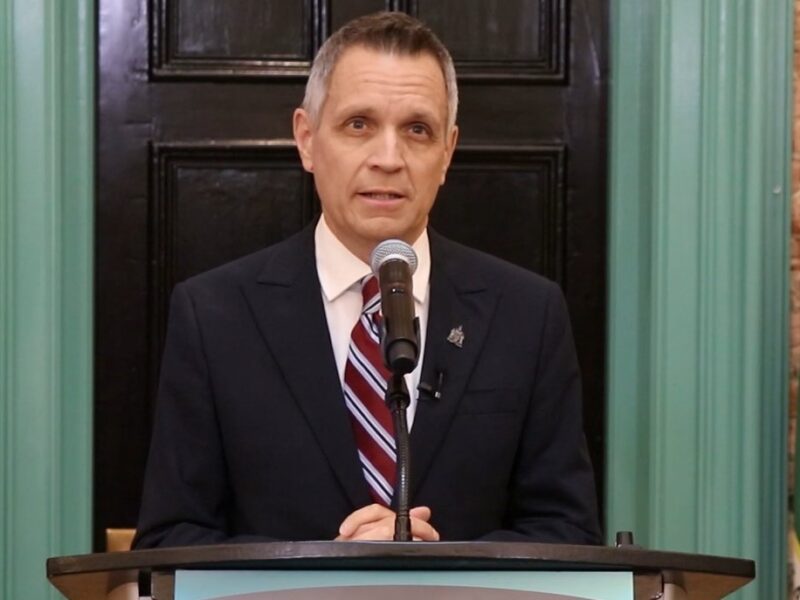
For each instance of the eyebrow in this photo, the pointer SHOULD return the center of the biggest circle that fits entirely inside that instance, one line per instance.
(368, 111)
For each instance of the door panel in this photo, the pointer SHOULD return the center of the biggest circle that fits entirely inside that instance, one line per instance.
(196, 166)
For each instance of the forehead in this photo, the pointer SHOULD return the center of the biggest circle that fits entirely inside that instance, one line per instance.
(362, 75)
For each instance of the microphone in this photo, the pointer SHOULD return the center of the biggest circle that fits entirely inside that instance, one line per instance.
(428, 391)
(394, 261)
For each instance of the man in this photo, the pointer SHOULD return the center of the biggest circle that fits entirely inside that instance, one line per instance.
(256, 434)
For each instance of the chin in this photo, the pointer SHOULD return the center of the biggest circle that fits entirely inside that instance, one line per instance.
(394, 231)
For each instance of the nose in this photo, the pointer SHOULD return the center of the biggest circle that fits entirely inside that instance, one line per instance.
(386, 152)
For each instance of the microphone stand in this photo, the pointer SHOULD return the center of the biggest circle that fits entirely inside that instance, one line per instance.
(397, 399)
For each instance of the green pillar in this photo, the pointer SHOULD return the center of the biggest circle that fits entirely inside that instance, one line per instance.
(46, 215)
(698, 304)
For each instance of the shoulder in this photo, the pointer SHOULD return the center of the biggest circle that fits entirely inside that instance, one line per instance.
(465, 264)
(276, 263)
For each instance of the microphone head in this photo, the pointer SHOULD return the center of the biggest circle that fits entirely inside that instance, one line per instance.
(393, 250)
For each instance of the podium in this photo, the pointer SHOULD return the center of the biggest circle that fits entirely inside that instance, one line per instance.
(415, 569)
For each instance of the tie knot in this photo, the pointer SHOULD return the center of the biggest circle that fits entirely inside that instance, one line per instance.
(370, 294)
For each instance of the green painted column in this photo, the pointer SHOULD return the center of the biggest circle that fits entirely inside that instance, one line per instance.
(698, 304)
(46, 215)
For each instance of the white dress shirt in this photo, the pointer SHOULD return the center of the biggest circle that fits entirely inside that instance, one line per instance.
(340, 273)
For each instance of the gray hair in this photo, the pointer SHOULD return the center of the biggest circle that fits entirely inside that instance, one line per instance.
(389, 32)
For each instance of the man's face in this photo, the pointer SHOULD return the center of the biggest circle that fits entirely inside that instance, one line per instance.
(380, 147)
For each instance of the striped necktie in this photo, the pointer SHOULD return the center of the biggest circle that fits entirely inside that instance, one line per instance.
(365, 379)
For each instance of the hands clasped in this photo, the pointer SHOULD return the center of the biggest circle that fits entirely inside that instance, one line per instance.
(376, 522)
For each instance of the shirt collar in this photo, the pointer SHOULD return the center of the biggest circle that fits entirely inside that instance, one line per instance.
(339, 269)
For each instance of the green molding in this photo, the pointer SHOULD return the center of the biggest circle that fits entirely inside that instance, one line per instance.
(6, 187)
(77, 274)
(630, 255)
(46, 205)
(698, 300)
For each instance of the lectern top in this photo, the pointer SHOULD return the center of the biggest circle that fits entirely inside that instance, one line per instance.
(91, 576)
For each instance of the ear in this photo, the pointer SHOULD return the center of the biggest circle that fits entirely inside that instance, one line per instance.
(449, 147)
(303, 137)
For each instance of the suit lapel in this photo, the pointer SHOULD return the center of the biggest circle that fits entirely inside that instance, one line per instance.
(287, 306)
(459, 299)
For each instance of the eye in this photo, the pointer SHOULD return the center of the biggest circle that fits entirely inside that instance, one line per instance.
(419, 129)
(357, 124)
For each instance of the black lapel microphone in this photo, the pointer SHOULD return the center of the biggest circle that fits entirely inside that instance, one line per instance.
(428, 391)
(394, 262)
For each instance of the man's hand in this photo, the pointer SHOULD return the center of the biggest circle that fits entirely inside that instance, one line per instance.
(376, 522)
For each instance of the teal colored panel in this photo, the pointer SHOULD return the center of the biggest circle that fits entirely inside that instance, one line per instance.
(46, 207)
(698, 279)
(208, 585)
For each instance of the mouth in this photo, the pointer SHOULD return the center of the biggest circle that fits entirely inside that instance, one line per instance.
(381, 195)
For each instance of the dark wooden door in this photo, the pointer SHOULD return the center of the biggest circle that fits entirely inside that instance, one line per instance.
(196, 166)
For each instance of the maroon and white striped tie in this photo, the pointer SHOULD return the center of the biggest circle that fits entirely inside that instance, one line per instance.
(365, 379)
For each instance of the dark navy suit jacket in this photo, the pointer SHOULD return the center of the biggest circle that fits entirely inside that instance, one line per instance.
(252, 440)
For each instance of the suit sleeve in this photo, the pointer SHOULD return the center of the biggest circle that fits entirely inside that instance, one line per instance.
(552, 495)
(185, 489)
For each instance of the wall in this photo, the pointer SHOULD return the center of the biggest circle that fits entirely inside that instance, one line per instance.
(698, 321)
(794, 370)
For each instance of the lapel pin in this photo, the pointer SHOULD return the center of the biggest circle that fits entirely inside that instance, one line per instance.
(456, 336)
